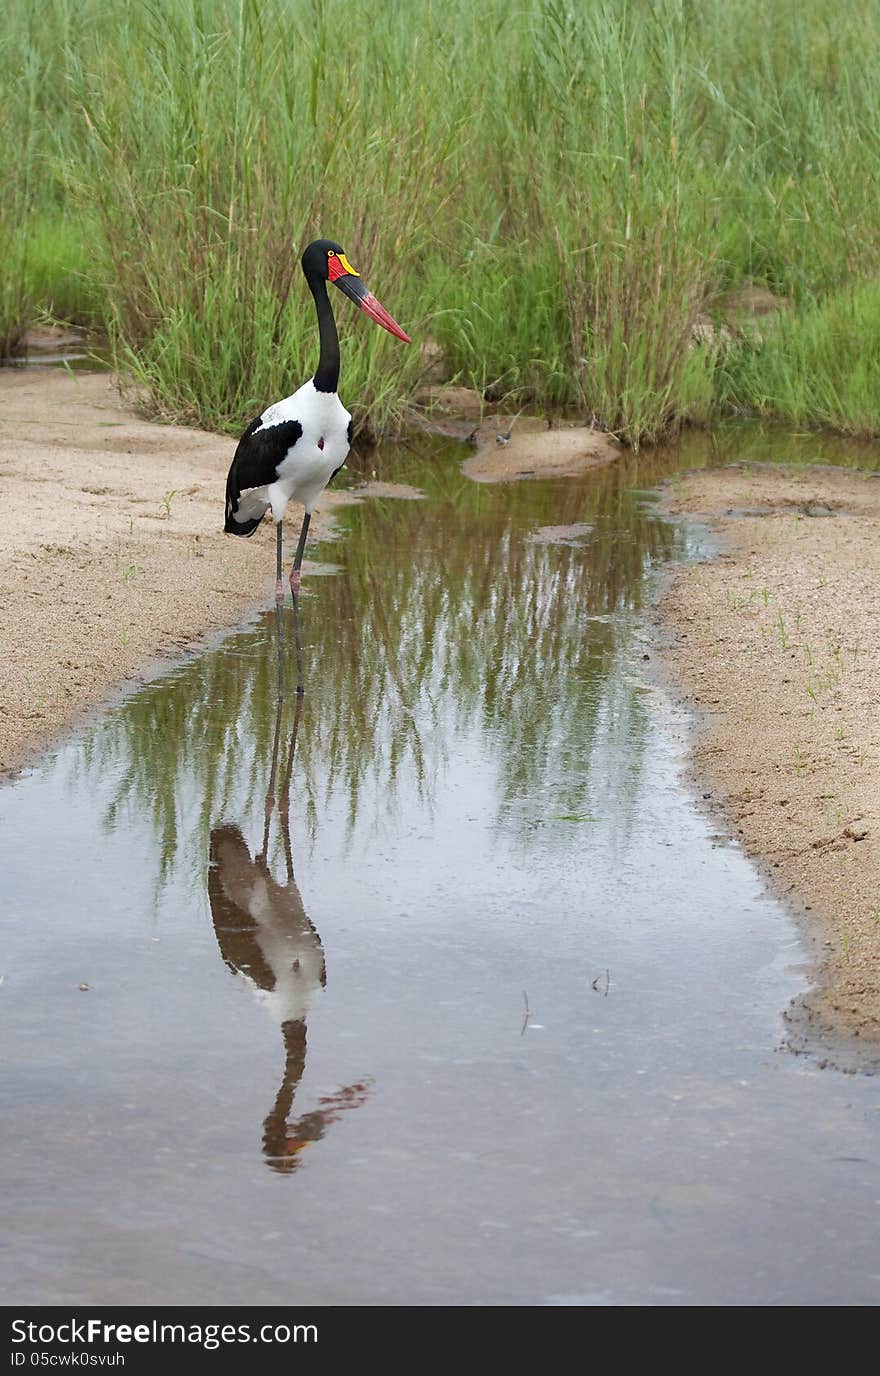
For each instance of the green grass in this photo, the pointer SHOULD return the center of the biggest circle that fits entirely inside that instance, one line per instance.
(49, 275)
(62, 275)
(818, 366)
(553, 191)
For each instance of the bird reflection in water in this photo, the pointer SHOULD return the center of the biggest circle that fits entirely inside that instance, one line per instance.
(268, 941)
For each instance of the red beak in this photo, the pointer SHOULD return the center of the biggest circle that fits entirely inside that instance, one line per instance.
(356, 290)
(376, 311)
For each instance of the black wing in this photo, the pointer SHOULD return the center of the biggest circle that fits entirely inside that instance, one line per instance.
(260, 450)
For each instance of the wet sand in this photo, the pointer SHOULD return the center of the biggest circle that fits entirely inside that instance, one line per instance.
(111, 548)
(777, 642)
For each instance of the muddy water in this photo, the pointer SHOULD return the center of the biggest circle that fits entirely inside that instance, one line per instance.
(479, 1010)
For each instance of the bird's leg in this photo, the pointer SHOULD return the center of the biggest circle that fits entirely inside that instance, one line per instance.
(294, 592)
(270, 791)
(284, 801)
(273, 773)
(298, 558)
(279, 612)
(279, 604)
(298, 647)
(279, 584)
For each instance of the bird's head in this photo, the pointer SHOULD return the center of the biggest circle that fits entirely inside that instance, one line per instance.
(325, 261)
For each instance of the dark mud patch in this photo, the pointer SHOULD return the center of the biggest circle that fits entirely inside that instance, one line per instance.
(376, 490)
(395, 492)
(561, 535)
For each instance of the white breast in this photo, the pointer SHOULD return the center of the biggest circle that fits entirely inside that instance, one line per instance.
(318, 453)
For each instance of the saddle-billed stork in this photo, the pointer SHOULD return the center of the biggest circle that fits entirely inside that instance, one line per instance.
(296, 446)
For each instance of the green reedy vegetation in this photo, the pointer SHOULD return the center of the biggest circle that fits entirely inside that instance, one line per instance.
(819, 365)
(554, 191)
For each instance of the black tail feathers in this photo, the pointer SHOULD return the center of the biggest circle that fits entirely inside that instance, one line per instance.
(243, 528)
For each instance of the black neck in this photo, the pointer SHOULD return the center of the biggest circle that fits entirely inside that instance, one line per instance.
(326, 379)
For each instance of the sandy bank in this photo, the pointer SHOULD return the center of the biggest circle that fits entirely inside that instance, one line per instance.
(510, 448)
(529, 450)
(777, 642)
(111, 548)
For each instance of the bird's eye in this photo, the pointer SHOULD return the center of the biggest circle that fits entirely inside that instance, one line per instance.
(330, 253)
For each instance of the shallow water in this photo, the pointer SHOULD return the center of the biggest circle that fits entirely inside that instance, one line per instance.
(77, 351)
(498, 1020)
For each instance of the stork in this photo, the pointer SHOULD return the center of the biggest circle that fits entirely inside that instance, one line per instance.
(296, 446)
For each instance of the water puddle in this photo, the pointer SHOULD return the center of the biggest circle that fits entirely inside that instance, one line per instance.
(75, 349)
(441, 991)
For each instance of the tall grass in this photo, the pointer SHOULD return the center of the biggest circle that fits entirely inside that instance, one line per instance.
(554, 191)
(819, 366)
(18, 112)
